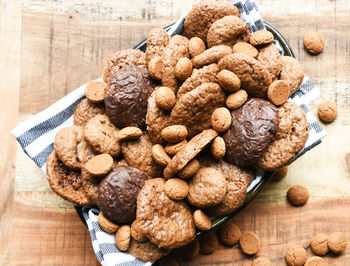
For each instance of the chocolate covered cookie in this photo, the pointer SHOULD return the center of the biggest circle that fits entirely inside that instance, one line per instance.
(85, 111)
(166, 223)
(118, 192)
(204, 14)
(126, 99)
(138, 154)
(193, 109)
(292, 133)
(121, 59)
(253, 128)
(64, 181)
(253, 74)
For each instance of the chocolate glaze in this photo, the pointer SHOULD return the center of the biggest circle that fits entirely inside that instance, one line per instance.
(126, 98)
(253, 128)
(118, 193)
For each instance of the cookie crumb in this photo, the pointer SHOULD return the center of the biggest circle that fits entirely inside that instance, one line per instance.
(183, 69)
(261, 37)
(316, 261)
(201, 220)
(208, 244)
(298, 195)
(249, 243)
(314, 43)
(236, 100)
(278, 92)
(262, 261)
(228, 80)
(122, 238)
(319, 244)
(327, 111)
(106, 224)
(229, 234)
(176, 189)
(95, 91)
(337, 242)
(280, 173)
(100, 164)
(296, 256)
(245, 48)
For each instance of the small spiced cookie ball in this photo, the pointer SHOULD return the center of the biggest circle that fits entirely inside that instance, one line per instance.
(337, 242)
(249, 243)
(208, 244)
(314, 43)
(201, 220)
(319, 244)
(296, 256)
(262, 261)
(327, 111)
(229, 234)
(280, 173)
(316, 261)
(298, 195)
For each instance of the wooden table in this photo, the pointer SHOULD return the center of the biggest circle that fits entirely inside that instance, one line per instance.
(48, 48)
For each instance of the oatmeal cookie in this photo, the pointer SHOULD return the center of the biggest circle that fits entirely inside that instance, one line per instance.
(157, 40)
(166, 223)
(292, 133)
(292, 73)
(85, 111)
(253, 75)
(270, 57)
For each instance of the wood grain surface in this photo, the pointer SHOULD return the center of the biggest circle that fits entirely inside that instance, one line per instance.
(49, 47)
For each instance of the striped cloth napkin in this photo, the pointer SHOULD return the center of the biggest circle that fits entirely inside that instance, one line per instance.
(36, 136)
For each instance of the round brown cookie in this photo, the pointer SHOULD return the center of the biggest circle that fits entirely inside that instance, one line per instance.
(165, 98)
(71, 147)
(291, 72)
(175, 50)
(174, 133)
(327, 111)
(159, 155)
(337, 242)
(188, 252)
(262, 261)
(211, 55)
(245, 48)
(194, 109)
(237, 181)
(218, 148)
(183, 69)
(315, 261)
(201, 220)
(129, 133)
(122, 59)
(228, 81)
(189, 170)
(208, 244)
(90, 185)
(207, 188)
(176, 189)
(168, 261)
(280, 173)
(106, 224)
(102, 135)
(249, 243)
(227, 31)
(298, 195)
(203, 75)
(261, 37)
(64, 181)
(138, 154)
(253, 128)
(278, 92)
(221, 119)
(270, 57)
(292, 133)
(95, 90)
(165, 222)
(118, 192)
(156, 119)
(157, 40)
(314, 43)
(204, 14)
(319, 244)
(196, 46)
(244, 66)
(155, 66)
(136, 232)
(100, 164)
(126, 99)
(146, 251)
(236, 99)
(229, 234)
(122, 238)
(187, 153)
(85, 111)
(296, 256)
(172, 149)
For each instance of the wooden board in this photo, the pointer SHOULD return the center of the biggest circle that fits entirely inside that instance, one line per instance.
(48, 48)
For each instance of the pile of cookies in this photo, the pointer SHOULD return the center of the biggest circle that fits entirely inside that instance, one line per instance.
(173, 136)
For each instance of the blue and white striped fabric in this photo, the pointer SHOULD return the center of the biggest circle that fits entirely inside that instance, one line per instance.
(36, 136)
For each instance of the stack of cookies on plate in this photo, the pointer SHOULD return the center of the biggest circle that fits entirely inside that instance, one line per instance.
(173, 136)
